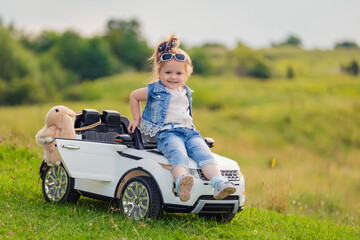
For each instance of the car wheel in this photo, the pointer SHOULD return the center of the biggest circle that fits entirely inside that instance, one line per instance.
(140, 199)
(57, 185)
(221, 217)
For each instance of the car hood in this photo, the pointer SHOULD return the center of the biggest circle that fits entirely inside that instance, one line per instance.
(154, 155)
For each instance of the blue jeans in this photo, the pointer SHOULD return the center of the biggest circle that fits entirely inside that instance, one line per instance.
(178, 144)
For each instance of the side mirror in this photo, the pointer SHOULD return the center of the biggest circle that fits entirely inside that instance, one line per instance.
(209, 141)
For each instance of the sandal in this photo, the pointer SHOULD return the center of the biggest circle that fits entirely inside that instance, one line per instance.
(184, 185)
(223, 189)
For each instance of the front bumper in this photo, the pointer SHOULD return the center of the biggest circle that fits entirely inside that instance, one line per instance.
(207, 204)
(202, 200)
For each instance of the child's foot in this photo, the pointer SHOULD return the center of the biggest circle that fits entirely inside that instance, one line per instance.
(185, 185)
(223, 189)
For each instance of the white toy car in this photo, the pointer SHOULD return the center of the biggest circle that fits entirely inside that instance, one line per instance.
(106, 162)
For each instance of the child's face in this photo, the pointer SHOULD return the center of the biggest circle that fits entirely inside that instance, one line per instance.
(173, 74)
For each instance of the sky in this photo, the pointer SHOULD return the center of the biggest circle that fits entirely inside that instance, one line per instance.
(256, 23)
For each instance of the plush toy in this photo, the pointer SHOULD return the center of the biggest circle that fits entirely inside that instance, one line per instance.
(59, 123)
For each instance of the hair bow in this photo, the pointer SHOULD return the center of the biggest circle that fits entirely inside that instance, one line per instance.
(162, 47)
(166, 46)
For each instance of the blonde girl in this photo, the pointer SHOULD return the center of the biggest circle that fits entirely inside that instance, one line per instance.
(168, 117)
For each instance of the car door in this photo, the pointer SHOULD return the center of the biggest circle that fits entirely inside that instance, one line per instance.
(90, 160)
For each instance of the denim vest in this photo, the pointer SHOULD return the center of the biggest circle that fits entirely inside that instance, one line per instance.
(157, 104)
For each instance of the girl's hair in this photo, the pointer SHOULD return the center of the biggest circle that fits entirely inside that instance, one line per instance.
(169, 46)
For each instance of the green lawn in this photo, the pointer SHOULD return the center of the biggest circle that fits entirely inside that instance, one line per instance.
(25, 214)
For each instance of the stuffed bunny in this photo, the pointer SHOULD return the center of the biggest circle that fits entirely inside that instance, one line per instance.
(59, 123)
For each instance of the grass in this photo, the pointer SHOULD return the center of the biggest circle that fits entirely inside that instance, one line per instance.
(26, 215)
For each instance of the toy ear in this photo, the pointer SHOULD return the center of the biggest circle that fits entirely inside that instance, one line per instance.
(67, 127)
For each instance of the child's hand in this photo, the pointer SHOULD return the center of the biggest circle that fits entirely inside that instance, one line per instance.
(133, 125)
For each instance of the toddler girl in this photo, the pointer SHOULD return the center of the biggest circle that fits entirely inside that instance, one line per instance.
(168, 117)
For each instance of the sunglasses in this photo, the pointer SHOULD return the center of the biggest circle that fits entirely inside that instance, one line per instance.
(168, 56)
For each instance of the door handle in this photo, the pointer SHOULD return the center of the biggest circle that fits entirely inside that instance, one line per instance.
(71, 147)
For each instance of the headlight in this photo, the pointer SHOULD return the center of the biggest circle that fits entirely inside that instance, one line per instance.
(166, 166)
(192, 172)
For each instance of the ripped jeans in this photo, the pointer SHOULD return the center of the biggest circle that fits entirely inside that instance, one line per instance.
(178, 144)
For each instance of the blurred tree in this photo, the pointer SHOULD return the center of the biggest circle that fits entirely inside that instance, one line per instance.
(219, 58)
(352, 68)
(291, 40)
(23, 91)
(346, 44)
(14, 61)
(3, 87)
(127, 43)
(88, 58)
(259, 69)
(54, 77)
(249, 63)
(11, 27)
(98, 60)
(58, 61)
(290, 73)
(40, 43)
(201, 60)
(20, 75)
(68, 51)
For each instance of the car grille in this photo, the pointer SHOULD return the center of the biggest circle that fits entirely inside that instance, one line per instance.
(232, 175)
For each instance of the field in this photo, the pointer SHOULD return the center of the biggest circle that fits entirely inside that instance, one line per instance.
(25, 215)
(297, 142)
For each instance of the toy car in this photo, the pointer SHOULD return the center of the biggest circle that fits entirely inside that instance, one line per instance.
(109, 163)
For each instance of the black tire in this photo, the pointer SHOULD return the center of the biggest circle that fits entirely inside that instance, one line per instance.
(58, 186)
(140, 199)
(220, 217)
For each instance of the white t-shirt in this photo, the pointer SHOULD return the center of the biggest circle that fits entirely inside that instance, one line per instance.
(178, 110)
